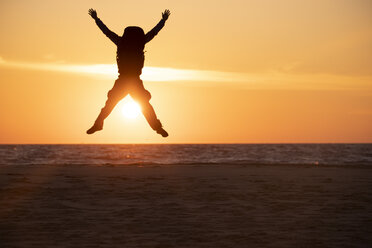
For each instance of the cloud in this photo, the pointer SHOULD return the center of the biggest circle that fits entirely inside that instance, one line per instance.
(148, 74)
(273, 80)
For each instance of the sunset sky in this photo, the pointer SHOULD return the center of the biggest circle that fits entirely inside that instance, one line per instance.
(228, 71)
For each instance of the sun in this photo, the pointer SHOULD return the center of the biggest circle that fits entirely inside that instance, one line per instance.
(131, 109)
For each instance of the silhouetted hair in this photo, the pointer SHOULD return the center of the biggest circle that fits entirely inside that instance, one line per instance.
(133, 35)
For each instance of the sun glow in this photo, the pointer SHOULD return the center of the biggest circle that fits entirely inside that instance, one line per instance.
(131, 109)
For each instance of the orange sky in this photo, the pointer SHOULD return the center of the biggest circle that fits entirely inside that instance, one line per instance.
(219, 72)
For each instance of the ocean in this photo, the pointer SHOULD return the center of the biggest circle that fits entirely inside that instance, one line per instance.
(188, 154)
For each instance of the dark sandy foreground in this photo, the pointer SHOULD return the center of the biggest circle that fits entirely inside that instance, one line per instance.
(185, 206)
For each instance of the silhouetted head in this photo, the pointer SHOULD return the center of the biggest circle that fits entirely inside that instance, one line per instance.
(134, 34)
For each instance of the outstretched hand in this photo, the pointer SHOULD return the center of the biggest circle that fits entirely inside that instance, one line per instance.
(166, 14)
(93, 13)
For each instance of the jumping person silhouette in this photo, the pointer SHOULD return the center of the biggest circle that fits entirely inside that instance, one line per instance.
(130, 60)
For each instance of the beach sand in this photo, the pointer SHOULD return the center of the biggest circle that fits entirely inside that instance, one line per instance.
(185, 206)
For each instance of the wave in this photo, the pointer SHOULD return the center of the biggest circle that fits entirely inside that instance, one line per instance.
(196, 154)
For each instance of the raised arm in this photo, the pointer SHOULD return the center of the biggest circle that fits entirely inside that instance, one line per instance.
(151, 34)
(111, 35)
